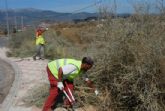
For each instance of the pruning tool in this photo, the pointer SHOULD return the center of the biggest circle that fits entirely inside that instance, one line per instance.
(70, 96)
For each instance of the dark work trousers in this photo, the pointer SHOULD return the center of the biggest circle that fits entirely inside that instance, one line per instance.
(39, 51)
(54, 92)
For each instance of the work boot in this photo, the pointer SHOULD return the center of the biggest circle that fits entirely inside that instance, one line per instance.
(41, 58)
(34, 58)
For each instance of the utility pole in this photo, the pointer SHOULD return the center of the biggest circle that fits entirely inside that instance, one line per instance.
(162, 6)
(115, 8)
(15, 21)
(7, 18)
(22, 24)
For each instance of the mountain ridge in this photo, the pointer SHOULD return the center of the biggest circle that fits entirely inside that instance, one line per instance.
(31, 15)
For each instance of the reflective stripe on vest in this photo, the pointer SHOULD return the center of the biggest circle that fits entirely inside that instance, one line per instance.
(56, 64)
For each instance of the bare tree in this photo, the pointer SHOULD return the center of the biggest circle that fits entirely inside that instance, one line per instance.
(141, 7)
(160, 6)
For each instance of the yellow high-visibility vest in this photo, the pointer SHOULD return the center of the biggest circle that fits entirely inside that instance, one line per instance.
(40, 40)
(56, 64)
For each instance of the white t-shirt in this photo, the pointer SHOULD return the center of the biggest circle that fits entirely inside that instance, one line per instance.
(71, 69)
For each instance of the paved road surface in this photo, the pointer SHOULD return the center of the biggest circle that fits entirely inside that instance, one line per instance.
(6, 74)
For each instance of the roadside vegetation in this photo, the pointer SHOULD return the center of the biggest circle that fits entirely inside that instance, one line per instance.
(127, 54)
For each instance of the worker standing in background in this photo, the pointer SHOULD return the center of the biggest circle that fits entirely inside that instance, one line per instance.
(40, 43)
(62, 71)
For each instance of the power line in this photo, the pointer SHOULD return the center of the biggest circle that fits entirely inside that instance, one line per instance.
(76, 11)
(91, 5)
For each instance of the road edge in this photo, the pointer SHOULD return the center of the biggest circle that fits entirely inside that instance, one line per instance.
(8, 101)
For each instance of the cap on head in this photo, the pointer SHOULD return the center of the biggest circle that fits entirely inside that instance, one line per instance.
(87, 60)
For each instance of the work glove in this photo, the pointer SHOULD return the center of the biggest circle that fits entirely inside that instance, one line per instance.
(46, 29)
(60, 85)
(96, 92)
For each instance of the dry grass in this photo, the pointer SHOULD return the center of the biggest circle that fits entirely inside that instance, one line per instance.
(36, 96)
(73, 32)
(130, 62)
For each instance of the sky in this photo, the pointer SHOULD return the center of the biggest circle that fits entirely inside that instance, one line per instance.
(123, 6)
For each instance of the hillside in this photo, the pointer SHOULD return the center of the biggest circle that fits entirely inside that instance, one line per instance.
(35, 16)
(73, 32)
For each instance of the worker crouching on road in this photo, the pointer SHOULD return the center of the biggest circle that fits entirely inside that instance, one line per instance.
(65, 70)
(40, 43)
